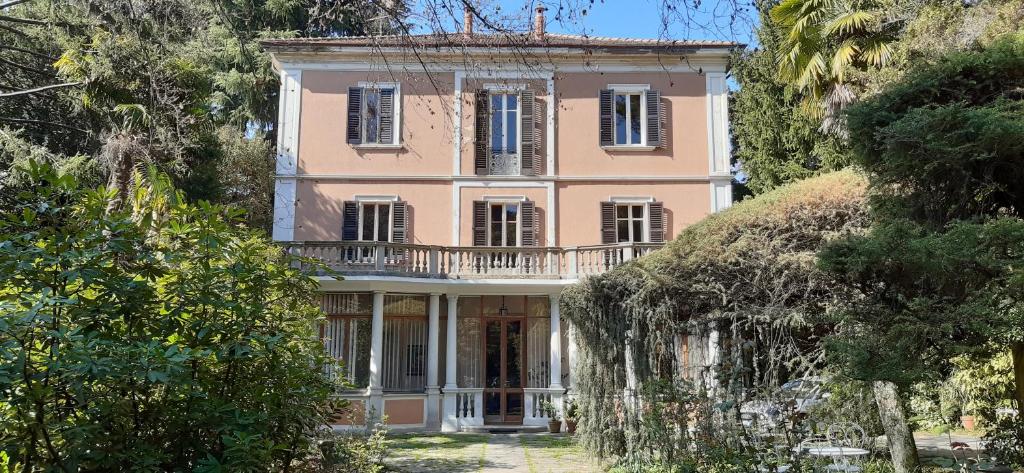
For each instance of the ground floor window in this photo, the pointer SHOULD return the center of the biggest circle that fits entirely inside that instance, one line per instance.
(405, 343)
(347, 339)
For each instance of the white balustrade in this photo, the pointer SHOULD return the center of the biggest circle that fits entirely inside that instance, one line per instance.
(468, 262)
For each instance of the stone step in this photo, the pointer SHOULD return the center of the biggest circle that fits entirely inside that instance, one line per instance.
(503, 429)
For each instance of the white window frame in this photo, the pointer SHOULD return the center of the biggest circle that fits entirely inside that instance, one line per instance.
(504, 222)
(639, 90)
(505, 92)
(396, 138)
(376, 228)
(631, 201)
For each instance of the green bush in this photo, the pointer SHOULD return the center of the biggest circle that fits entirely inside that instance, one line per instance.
(164, 336)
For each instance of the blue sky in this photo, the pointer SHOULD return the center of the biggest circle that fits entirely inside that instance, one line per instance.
(630, 18)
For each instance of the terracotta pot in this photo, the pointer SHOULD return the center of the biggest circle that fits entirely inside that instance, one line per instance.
(570, 426)
(554, 426)
(968, 422)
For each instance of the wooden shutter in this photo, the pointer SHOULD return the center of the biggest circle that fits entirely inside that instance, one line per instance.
(482, 148)
(657, 222)
(607, 223)
(350, 221)
(528, 154)
(355, 110)
(399, 222)
(479, 223)
(653, 118)
(387, 116)
(528, 220)
(607, 130)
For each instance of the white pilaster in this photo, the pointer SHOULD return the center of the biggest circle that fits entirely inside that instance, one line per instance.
(433, 391)
(556, 344)
(287, 155)
(718, 123)
(449, 422)
(376, 391)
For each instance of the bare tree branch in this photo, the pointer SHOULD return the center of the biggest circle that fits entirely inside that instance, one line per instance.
(22, 20)
(28, 51)
(11, 3)
(42, 122)
(26, 68)
(40, 89)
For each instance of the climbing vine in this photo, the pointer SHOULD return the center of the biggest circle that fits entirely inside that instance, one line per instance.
(735, 301)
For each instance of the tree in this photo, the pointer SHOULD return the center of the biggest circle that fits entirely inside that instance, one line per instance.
(175, 84)
(940, 270)
(826, 38)
(775, 141)
(160, 336)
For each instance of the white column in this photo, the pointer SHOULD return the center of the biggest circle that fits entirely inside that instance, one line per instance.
(376, 404)
(433, 393)
(449, 422)
(556, 344)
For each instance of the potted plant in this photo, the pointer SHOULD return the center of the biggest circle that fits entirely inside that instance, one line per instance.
(571, 412)
(554, 420)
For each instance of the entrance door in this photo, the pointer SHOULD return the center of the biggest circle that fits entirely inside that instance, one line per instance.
(503, 370)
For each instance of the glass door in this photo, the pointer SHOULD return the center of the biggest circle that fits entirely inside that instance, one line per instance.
(503, 370)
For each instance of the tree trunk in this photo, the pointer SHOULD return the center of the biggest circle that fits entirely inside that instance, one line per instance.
(894, 421)
(1018, 374)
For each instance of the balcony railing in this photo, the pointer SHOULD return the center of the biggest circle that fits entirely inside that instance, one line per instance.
(473, 262)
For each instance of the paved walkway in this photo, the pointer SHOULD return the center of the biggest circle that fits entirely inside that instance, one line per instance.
(488, 453)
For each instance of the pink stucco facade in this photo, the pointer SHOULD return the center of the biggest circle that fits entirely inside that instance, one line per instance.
(440, 186)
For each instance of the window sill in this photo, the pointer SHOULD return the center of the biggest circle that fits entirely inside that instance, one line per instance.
(629, 148)
(378, 146)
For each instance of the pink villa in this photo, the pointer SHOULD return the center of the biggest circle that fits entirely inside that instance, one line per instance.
(459, 182)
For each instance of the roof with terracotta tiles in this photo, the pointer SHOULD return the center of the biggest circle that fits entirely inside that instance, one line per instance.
(510, 40)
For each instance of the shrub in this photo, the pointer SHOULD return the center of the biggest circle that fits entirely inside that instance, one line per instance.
(164, 336)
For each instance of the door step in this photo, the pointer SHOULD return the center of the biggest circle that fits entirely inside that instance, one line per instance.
(503, 429)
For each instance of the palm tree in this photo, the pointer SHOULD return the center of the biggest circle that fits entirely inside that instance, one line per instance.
(824, 40)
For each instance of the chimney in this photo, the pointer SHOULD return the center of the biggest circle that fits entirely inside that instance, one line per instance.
(467, 22)
(538, 23)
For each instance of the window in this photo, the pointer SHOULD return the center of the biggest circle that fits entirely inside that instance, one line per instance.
(346, 336)
(629, 118)
(503, 224)
(405, 341)
(629, 223)
(504, 124)
(375, 221)
(373, 111)
(371, 116)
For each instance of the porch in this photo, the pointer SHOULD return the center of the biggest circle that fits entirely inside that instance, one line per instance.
(448, 362)
(470, 262)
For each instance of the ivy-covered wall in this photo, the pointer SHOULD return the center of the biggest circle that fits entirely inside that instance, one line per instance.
(740, 289)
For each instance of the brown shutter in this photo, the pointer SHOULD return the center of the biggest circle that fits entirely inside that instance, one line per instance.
(653, 118)
(526, 127)
(528, 220)
(607, 223)
(482, 146)
(387, 116)
(479, 223)
(607, 129)
(350, 221)
(657, 222)
(355, 110)
(399, 222)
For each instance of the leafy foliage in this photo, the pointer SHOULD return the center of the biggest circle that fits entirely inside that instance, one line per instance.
(161, 79)
(775, 141)
(749, 272)
(940, 270)
(159, 337)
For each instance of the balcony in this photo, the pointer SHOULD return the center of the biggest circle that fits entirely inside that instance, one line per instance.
(472, 262)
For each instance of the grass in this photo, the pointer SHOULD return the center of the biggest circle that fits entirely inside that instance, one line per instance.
(438, 452)
(543, 452)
